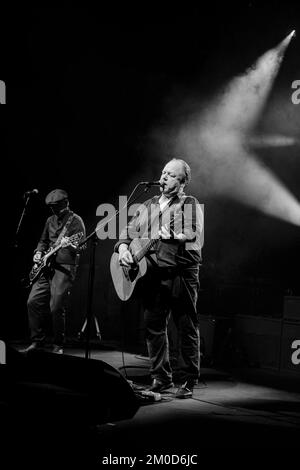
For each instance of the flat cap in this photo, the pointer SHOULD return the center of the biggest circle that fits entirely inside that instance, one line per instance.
(56, 196)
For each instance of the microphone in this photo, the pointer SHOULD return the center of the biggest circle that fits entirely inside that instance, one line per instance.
(29, 193)
(150, 183)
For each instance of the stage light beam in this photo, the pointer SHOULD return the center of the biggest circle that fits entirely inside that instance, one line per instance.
(216, 142)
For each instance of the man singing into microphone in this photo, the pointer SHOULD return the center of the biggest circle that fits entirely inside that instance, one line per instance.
(49, 292)
(171, 283)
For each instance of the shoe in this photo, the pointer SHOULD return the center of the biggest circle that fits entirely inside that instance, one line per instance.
(35, 346)
(160, 386)
(57, 349)
(184, 391)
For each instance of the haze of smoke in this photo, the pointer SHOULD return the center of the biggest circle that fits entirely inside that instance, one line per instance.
(213, 143)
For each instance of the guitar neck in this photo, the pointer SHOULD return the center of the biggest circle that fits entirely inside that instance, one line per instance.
(52, 251)
(73, 239)
(145, 250)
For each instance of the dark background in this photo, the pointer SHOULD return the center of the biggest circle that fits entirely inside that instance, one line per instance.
(85, 91)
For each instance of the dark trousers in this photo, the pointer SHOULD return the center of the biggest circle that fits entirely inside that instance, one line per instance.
(49, 295)
(165, 293)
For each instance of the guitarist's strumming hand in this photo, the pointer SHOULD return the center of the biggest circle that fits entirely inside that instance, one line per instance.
(37, 257)
(125, 257)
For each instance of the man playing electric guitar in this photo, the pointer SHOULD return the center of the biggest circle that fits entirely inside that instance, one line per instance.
(50, 288)
(45, 264)
(172, 282)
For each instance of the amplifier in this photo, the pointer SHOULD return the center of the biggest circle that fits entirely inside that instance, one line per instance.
(291, 308)
(259, 338)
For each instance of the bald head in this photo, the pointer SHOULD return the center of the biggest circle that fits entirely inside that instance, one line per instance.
(185, 169)
(175, 176)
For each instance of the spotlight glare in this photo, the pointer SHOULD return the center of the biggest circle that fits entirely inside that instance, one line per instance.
(219, 142)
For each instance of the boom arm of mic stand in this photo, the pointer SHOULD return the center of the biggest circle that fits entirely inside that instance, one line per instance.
(20, 222)
(88, 237)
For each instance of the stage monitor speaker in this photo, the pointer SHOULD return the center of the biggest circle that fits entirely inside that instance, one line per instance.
(54, 384)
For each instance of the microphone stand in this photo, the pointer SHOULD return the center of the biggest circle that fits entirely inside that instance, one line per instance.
(21, 220)
(17, 272)
(94, 243)
(94, 240)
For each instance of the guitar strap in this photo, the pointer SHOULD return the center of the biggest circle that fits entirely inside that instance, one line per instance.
(65, 228)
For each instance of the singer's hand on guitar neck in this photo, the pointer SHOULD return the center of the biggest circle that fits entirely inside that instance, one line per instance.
(37, 257)
(125, 257)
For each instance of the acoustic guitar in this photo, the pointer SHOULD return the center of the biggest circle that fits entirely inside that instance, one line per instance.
(125, 278)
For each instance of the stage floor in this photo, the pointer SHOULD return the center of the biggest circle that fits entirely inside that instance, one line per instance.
(227, 413)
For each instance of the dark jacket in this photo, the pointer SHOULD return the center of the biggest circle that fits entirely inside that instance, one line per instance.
(52, 229)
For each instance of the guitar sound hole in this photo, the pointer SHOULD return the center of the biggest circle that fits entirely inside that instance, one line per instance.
(125, 271)
(130, 273)
(133, 272)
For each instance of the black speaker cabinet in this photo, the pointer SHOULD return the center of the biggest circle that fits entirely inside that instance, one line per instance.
(259, 338)
(291, 309)
(207, 326)
(52, 385)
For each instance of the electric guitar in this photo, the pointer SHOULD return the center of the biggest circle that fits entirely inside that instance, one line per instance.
(45, 261)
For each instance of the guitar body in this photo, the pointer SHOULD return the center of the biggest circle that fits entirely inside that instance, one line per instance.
(125, 279)
(37, 270)
(45, 264)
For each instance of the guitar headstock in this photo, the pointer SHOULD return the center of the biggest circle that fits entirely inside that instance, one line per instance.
(73, 240)
(76, 237)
